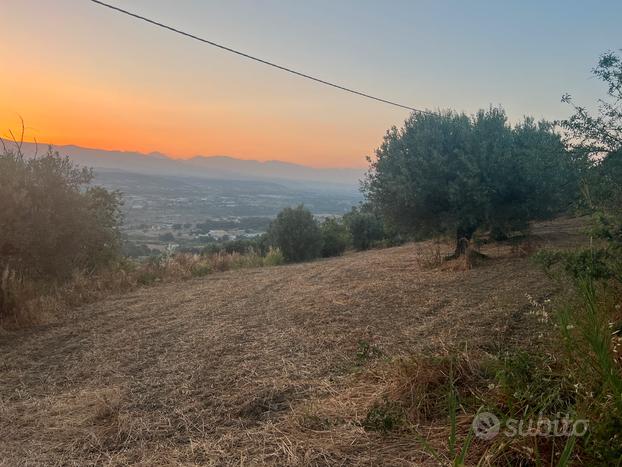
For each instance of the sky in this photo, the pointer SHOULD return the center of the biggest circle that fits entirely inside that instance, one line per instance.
(78, 73)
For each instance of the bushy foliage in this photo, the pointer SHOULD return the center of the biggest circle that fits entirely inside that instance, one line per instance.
(603, 184)
(600, 136)
(52, 221)
(581, 263)
(273, 257)
(259, 245)
(602, 133)
(445, 172)
(335, 237)
(366, 228)
(297, 234)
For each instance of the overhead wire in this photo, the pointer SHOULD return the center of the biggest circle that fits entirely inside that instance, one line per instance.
(257, 59)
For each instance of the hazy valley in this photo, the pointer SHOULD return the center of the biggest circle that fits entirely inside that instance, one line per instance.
(228, 197)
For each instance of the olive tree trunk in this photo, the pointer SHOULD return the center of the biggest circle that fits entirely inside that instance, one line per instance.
(463, 241)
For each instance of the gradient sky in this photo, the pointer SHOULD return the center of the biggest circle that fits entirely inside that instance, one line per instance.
(81, 74)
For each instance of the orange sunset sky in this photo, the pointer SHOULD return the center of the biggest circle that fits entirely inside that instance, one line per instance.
(81, 74)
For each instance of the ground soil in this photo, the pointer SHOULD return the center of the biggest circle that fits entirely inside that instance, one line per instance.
(256, 366)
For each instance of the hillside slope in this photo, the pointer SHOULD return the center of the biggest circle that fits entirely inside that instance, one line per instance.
(228, 369)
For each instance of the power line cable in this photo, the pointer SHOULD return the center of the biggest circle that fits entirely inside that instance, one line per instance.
(257, 59)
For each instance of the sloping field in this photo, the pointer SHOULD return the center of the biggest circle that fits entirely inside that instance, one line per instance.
(253, 366)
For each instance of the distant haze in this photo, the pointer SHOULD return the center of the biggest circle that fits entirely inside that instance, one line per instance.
(211, 167)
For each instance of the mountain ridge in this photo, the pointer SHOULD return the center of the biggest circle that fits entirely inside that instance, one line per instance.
(215, 167)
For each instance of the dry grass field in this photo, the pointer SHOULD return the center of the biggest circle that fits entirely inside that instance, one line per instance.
(275, 365)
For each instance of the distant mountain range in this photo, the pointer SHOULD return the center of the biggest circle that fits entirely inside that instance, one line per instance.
(212, 167)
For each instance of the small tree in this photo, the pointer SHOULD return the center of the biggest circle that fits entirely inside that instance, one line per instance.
(600, 136)
(297, 234)
(335, 238)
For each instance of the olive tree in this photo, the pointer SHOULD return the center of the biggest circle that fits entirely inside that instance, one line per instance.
(445, 172)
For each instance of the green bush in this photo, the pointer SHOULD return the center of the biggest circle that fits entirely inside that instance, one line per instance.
(53, 221)
(366, 228)
(596, 264)
(601, 261)
(297, 234)
(335, 238)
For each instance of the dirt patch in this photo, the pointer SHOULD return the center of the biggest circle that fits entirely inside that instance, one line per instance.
(267, 404)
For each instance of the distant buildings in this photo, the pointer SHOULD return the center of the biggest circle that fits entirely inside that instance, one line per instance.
(219, 234)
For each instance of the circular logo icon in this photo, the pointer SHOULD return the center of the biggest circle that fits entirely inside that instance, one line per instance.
(486, 425)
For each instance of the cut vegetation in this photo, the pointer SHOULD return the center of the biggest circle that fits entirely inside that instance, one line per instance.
(330, 362)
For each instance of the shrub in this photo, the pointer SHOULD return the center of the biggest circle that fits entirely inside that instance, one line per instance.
(593, 361)
(365, 228)
(202, 269)
(599, 262)
(335, 238)
(212, 249)
(297, 234)
(579, 377)
(53, 221)
(579, 263)
(52, 224)
(248, 260)
(273, 257)
(262, 243)
(582, 375)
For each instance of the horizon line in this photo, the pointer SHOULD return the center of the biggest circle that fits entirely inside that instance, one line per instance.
(173, 157)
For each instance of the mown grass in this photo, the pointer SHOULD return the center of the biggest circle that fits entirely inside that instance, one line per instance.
(576, 374)
(26, 302)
